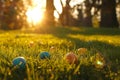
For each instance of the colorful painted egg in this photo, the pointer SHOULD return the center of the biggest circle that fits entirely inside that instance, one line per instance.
(44, 55)
(71, 58)
(20, 62)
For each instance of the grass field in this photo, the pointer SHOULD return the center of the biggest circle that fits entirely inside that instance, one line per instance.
(102, 45)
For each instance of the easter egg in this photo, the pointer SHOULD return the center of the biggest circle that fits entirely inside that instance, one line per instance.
(71, 58)
(44, 55)
(20, 62)
(82, 51)
(31, 43)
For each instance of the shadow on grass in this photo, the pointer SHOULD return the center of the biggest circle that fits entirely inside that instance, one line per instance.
(80, 30)
(62, 32)
(112, 51)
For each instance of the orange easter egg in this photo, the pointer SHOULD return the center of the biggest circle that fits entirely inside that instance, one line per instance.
(82, 51)
(71, 58)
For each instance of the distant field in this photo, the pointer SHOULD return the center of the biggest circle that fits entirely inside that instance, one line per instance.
(58, 41)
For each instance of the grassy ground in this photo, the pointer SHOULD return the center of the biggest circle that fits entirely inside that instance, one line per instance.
(101, 44)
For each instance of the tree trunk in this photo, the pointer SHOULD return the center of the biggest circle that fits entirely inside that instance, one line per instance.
(108, 14)
(65, 16)
(87, 20)
(49, 12)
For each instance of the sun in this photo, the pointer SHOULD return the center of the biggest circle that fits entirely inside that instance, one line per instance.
(36, 8)
(34, 15)
(35, 12)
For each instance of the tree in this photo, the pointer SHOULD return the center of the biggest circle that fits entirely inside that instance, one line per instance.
(80, 18)
(49, 18)
(108, 14)
(88, 17)
(107, 8)
(12, 14)
(84, 11)
(80, 14)
(64, 16)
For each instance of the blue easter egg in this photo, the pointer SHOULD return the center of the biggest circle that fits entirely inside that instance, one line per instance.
(44, 55)
(20, 62)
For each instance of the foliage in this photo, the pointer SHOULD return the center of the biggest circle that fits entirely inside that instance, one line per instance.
(105, 11)
(101, 44)
(12, 15)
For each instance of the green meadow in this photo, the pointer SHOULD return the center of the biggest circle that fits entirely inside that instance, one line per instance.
(101, 60)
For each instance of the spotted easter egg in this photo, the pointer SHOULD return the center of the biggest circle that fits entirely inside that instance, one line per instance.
(44, 55)
(71, 58)
(20, 62)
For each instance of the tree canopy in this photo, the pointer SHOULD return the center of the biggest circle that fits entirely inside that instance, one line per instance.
(13, 13)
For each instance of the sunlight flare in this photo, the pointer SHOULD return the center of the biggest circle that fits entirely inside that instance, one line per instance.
(36, 8)
(35, 12)
(34, 15)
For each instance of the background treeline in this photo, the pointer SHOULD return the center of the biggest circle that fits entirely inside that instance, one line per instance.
(12, 14)
(103, 13)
